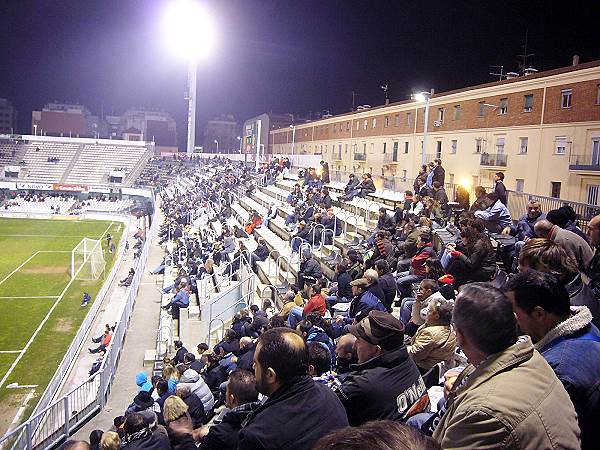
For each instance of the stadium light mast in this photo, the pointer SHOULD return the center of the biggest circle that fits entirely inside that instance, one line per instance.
(191, 33)
(423, 97)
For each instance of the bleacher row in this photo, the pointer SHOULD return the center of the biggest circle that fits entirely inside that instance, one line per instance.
(62, 162)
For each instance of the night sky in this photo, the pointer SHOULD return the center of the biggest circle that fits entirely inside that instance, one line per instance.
(281, 56)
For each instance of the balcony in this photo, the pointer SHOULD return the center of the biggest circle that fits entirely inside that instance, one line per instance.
(360, 157)
(390, 158)
(585, 162)
(337, 156)
(493, 159)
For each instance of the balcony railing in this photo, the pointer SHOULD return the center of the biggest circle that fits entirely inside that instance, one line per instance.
(390, 158)
(493, 159)
(360, 157)
(584, 162)
(337, 156)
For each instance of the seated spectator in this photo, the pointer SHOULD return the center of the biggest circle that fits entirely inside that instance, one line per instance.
(416, 208)
(281, 365)
(141, 380)
(489, 405)
(312, 330)
(383, 250)
(417, 272)
(377, 435)
(462, 197)
(180, 352)
(495, 216)
(241, 399)
(217, 370)
(98, 339)
(302, 236)
(316, 303)
(259, 254)
(477, 263)
(189, 359)
(289, 301)
(143, 404)
(351, 185)
(546, 256)
(433, 211)
(97, 363)
(310, 269)
(194, 404)
(162, 390)
(374, 287)
(575, 245)
(104, 344)
(110, 441)
(333, 226)
(326, 201)
(199, 387)
(566, 338)
(565, 218)
(385, 384)
(171, 374)
(434, 341)
(364, 188)
(362, 303)
(259, 320)
(387, 282)
(291, 221)
(319, 365)
(480, 199)
(355, 269)
(180, 300)
(245, 360)
(271, 214)
(345, 354)
(412, 312)
(229, 344)
(255, 222)
(179, 424)
(341, 291)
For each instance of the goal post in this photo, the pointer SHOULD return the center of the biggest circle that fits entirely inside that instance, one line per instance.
(87, 260)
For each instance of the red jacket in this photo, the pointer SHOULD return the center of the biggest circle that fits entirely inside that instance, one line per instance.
(106, 339)
(315, 304)
(418, 261)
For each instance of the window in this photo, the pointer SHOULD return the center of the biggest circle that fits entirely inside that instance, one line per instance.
(481, 109)
(347, 126)
(566, 98)
(334, 127)
(405, 147)
(478, 145)
(404, 174)
(357, 125)
(395, 146)
(503, 106)
(598, 94)
(384, 147)
(555, 189)
(386, 122)
(364, 148)
(524, 142)
(397, 120)
(500, 145)
(596, 151)
(592, 194)
(560, 147)
(374, 122)
(520, 184)
(408, 118)
(456, 112)
(451, 178)
(441, 114)
(346, 149)
(365, 124)
(438, 149)
(528, 103)
(453, 146)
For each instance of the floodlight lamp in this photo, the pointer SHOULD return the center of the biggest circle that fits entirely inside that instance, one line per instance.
(466, 183)
(215, 141)
(420, 97)
(189, 28)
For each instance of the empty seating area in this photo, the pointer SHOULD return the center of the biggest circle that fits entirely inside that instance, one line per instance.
(96, 161)
(47, 161)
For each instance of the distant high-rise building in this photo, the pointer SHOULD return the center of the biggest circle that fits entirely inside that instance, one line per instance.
(223, 129)
(268, 122)
(8, 117)
(155, 125)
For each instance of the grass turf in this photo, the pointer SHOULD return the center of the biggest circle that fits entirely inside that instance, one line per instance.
(45, 274)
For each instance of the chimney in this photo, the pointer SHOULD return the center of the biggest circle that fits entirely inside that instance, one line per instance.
(575, 60)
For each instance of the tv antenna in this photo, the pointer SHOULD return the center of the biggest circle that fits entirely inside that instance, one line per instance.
(354, 95)
(524, 64)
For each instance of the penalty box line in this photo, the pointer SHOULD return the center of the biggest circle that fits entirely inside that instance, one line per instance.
(43, 322)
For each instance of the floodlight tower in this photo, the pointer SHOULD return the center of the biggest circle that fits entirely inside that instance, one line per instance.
(191, 32)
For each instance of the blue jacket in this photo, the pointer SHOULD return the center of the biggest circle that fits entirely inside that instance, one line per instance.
(361, 306)
(525, 227)
(572, 349)
(496, 215)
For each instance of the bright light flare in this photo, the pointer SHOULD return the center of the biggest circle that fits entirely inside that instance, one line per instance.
(189, 28)
(420, 97)
(466, 183)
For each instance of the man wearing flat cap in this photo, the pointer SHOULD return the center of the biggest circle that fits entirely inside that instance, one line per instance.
(385, 384)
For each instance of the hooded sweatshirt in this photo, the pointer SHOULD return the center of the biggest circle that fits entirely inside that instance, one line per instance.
(141, 379)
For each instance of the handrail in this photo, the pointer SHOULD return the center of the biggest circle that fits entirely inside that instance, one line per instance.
(316, 226)
(348, 222)
(358, 202)
(368, 215)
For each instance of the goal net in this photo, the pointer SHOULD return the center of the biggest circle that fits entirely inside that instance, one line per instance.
(87, 260)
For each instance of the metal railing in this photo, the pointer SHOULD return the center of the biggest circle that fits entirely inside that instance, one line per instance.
(360, 157)
(493, 159)
(44, 429)
(584, 162)
(390, 157)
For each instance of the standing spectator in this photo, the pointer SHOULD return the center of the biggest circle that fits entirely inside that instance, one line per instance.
(180, 351)
(308, 410)
(499, 188)
(439, 173)
(385, 384)
(489, 406)
(325, 172)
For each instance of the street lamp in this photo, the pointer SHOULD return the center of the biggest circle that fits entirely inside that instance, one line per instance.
(217, 142)
(35, 129)
(424, 97)
(239, 138)
(191, 33)
(293, 127)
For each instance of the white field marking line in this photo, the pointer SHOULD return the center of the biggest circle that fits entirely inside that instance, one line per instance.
(45, 235)
(15, 271)
(37, 296)
(21, 410)
(11, 351)
(43, 322)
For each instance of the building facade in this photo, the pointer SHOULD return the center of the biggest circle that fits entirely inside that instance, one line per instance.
(542, 131)
(63, 119)
(266, 122)
(224, 130)
(8, 117)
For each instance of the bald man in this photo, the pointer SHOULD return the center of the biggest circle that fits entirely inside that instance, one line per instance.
(573, 244)
(307, 409)
(345, 354)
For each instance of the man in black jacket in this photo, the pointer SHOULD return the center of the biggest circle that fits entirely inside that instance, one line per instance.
(439, 173)
(499, 187)
(385, 384)
(387, 282)
(241, 399)
(179, 353)
(246, 359)
(298, 411)
(259, 254)
(310, 269)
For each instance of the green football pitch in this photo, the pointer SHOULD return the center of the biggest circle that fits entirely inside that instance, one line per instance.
(40, 308)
